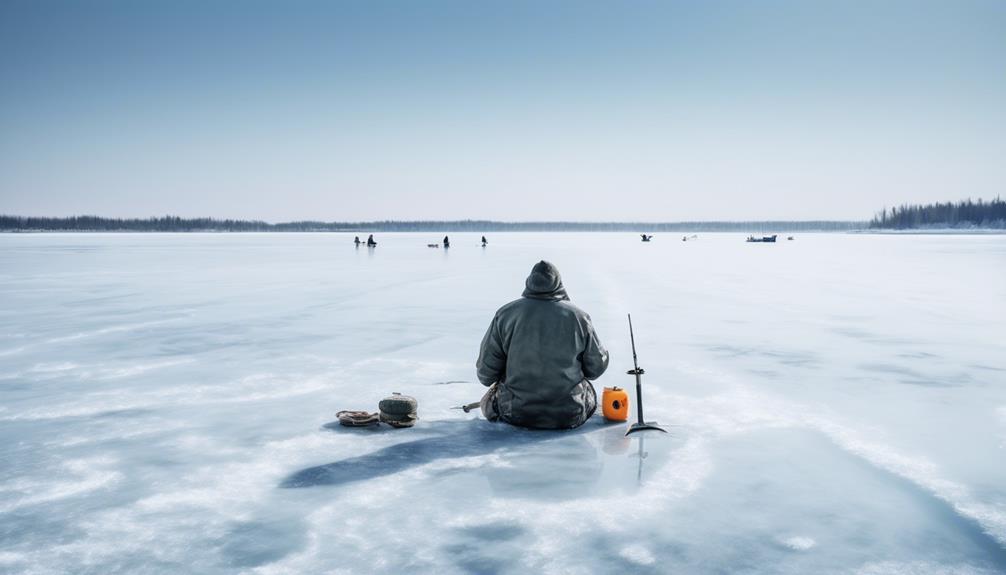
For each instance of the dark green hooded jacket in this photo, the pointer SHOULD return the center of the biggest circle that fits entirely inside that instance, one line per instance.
(542, 350)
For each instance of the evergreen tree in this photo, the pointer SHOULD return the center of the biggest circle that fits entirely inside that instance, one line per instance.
(963, 214)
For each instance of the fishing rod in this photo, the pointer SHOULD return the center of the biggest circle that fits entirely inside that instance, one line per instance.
(640, 425)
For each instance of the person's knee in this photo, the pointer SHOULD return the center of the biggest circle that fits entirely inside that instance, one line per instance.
(488, 404)
(489, 413)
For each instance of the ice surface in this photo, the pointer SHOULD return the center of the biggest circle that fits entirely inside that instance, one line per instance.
(837, 404)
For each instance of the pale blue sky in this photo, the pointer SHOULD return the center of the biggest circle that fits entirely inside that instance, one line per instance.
(518, 110)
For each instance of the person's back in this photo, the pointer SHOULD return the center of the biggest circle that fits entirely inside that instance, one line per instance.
(540, 351)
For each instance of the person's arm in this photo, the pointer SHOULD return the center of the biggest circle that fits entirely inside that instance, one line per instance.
(595, 357)
(491, 365)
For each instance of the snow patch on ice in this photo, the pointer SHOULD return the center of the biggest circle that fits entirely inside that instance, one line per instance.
(12, 351)
(87, 475)
(54, 367)
(258, 387)
(920, 568)
(117, 433)
(798, 543)
(420, 370)
(1001, 412)
(638, 554)
(85, 372)
(110, 329)
(10, 558)
(132, 370)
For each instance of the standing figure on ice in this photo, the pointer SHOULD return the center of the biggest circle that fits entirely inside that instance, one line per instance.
(538, 356)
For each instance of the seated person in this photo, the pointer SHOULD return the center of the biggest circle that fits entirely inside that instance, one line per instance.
(537, 357)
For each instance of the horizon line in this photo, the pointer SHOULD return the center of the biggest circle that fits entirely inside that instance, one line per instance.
(430, 221)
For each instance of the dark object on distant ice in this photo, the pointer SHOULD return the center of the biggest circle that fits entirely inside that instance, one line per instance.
(640, 425)
(763, 239)
(484, 241)
(433, 245)
(691, 237)
(447, 242)
(370, 241)
(790, 238)
(357, 241)
(646, 238)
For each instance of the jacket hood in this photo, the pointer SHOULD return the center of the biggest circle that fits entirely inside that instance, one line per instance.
(545, 283)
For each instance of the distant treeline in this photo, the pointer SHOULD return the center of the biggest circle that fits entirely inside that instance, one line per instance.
(177, 224)
(963, 214)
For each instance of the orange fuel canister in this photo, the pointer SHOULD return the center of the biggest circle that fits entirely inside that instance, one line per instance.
(615, 404)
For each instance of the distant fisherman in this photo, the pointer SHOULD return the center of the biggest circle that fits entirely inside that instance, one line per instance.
(447, 242)
(484, 241)
(370, 241)
(538, 356)
(356, 241)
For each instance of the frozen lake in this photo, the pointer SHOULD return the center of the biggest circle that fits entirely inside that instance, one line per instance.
(837, 404)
